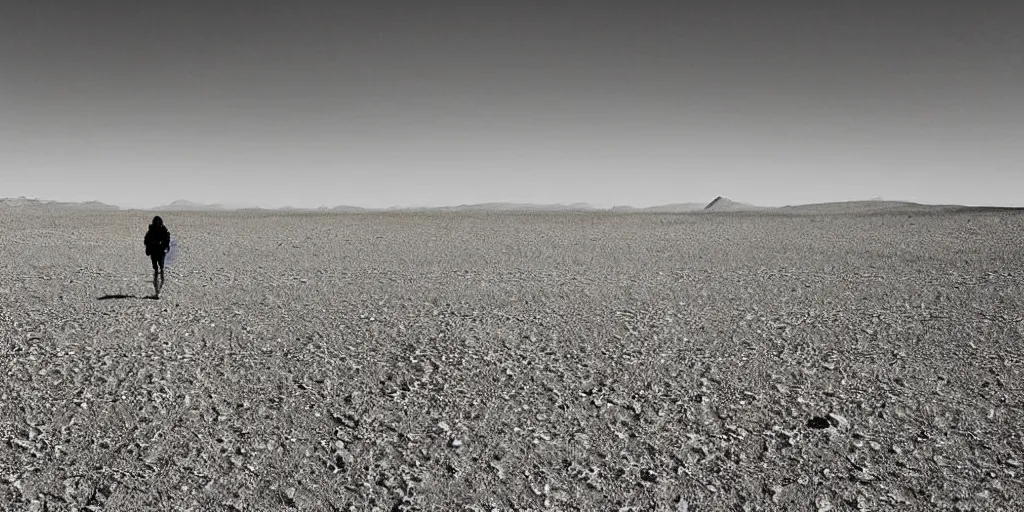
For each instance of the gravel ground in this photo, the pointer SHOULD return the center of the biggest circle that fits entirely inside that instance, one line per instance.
(514, 362)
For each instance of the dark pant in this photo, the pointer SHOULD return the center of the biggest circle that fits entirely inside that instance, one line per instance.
(158, 262)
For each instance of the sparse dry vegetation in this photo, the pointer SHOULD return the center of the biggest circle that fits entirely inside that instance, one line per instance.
(562, 361)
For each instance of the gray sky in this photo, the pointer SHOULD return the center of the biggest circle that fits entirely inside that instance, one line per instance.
(441, 103)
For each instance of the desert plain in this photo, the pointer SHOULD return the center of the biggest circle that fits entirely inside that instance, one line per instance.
(811, 360)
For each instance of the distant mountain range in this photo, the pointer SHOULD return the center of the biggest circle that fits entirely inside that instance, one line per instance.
(479, 207)
(25, 202)
(189, 206)
(724, 204)
(719, 204)
(182, 205)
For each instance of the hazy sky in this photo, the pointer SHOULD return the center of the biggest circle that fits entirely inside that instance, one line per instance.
(379, 103)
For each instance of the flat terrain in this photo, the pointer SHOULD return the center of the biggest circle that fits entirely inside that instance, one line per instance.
(583, 361)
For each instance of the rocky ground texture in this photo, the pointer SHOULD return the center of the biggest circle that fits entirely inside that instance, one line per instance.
(583, 361)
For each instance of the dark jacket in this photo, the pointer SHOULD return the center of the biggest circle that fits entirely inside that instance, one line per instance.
(157, 239)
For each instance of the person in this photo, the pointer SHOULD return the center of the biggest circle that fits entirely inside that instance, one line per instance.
(157, 242)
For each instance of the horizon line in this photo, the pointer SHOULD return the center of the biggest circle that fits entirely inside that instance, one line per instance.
(187, 205)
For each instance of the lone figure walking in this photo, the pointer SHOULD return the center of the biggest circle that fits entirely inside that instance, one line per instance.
(157, 241)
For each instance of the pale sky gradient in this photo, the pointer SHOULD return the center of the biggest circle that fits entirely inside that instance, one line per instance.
(443, 103)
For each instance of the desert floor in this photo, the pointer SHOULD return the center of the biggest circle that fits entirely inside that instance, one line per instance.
(589, 361)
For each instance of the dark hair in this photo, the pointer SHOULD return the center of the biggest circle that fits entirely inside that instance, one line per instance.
(158, 221)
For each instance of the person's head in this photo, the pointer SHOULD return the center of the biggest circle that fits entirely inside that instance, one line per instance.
(157, 221)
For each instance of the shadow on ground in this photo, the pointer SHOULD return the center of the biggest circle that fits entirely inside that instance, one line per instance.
(122, 296)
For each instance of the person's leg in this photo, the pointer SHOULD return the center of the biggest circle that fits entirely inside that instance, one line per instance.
(156, 273)
(162, 256)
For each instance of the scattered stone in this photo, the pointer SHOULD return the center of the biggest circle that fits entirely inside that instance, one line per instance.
(823, 504)
(344, 458)
(817, 422)
(498, 469)
(21, 443)
(682, 505)
(838, 421)
(862, 476)
(789, 437)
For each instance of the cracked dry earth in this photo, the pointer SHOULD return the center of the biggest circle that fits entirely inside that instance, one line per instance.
(513, 362)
